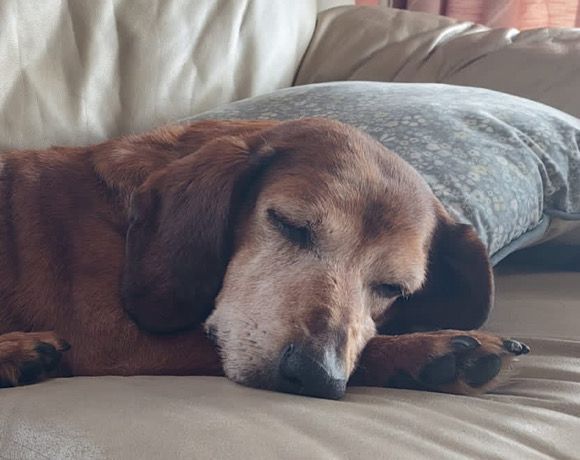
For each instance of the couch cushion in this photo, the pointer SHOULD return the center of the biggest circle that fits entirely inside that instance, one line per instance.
(81, 72)
(504, 164)
(538, 294)
(535, 417)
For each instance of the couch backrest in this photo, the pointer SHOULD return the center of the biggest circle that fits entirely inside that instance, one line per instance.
(393, 45)
(78, 72)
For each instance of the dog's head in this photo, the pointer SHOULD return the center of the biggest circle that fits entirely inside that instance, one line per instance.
(302, 239)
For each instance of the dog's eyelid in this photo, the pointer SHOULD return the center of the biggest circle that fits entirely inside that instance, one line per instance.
(390, 290)
(298, 233)
(279, 217)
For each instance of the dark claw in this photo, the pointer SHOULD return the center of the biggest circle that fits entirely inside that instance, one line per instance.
(515, 347)
(64, 345)
(49, 356)
(44, 348)
(464, 343)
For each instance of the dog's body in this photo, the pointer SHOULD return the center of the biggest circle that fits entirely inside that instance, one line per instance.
(99, 244)
(64, 216)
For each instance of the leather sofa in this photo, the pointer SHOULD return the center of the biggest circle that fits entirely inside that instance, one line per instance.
(80, 72)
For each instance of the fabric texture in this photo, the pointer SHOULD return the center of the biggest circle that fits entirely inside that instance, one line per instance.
(499, 162)
(79, 72)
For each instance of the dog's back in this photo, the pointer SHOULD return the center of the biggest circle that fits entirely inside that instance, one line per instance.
(59, 234)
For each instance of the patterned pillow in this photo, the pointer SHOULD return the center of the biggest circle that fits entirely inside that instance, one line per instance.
(504, 164)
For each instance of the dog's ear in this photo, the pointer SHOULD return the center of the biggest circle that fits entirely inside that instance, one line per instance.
(458, 292)
(180, 235)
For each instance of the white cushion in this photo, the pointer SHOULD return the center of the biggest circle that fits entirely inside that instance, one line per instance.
(78, 72)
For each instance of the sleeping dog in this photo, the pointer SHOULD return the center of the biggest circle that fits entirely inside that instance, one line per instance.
(297, 256)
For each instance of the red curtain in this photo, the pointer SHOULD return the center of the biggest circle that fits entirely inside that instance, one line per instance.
(522, 14)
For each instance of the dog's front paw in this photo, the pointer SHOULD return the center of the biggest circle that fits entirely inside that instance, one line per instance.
(469, 363)
(448, 361)
(29, 357)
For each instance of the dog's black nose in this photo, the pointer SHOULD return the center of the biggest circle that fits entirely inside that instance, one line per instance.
(305, 372)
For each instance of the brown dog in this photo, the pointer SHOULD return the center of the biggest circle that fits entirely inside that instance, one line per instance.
(295, 240)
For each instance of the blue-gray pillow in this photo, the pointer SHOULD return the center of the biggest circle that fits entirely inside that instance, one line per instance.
(501, 163)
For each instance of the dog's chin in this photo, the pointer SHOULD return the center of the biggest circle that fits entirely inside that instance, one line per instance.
(248, 369)
(254, 378)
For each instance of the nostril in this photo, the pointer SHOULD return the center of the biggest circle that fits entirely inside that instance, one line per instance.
(288, 369)
(288, 351)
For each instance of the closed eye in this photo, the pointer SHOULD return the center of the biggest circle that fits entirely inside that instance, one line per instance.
(388, 291)
(300, 235)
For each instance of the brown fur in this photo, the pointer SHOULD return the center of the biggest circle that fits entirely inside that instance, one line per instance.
(156, 232)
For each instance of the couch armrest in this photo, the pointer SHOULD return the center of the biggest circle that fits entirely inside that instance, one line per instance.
(381, 44)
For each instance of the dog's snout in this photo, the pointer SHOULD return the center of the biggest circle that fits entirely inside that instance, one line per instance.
(306, 372)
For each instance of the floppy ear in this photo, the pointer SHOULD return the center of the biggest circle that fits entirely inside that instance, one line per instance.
(180, 235)
(458, 293)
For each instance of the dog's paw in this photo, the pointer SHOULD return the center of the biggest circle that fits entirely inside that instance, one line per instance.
(469, 363)
(29, 357)
(448, 361)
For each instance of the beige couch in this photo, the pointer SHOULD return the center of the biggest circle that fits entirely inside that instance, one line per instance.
(77, 72)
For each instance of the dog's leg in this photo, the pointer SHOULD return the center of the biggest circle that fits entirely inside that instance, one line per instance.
(460, 362)
(29, 357)
(129, 351)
